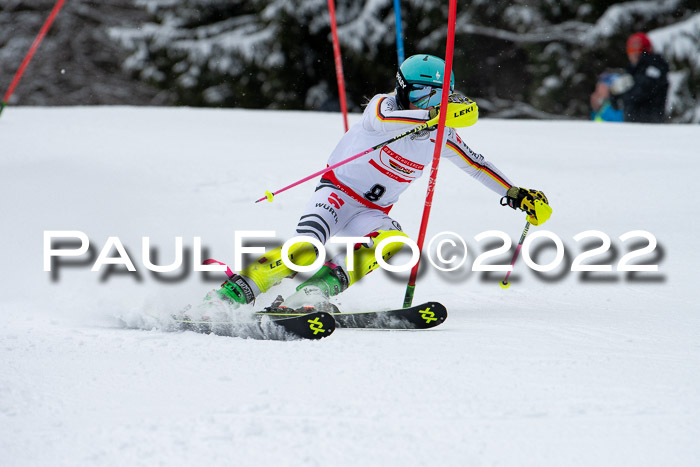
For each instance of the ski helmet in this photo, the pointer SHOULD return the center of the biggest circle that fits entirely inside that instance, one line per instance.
(419, 81)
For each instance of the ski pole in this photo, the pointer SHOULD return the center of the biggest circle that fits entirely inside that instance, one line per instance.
(504, 283)
(269, 195)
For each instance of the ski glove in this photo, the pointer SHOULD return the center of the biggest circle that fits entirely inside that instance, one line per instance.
(533, 202)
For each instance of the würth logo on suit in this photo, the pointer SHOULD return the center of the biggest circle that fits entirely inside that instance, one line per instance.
(335, 200)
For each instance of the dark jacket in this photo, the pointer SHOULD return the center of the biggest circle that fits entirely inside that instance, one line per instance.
(646, 100)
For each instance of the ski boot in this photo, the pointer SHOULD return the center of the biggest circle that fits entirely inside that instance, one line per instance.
(237, 290)
(328, 281)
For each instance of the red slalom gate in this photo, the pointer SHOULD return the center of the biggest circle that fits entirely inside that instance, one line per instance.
(35, 45)
(411, 287)
(338, 64)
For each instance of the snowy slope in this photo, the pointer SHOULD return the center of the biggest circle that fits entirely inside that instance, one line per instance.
(563, 368)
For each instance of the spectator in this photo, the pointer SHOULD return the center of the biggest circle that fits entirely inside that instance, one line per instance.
(601, 107)
(641, 91)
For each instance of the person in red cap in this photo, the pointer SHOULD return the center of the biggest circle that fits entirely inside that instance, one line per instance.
(641, 92)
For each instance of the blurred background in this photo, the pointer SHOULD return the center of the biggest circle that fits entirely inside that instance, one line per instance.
(517, 58)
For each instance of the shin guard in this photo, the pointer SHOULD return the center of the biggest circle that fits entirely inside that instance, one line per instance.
(269, 270)
(364, 255)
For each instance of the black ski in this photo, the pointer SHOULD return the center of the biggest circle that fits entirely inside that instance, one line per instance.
(311, 325)
(424, 316)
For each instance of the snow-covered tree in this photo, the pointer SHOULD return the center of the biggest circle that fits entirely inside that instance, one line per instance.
(271, 54)
(680, 44)
(77, 63)
(518, 58)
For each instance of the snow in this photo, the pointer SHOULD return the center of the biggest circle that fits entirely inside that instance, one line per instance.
(563, 368)
(679, 41)
(211, 45)
(623, 15)
(365, 30)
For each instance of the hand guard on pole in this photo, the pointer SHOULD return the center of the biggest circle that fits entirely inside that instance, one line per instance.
(461, 112)
(533, 202)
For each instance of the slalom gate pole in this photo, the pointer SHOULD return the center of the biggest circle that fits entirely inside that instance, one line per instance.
(269, 195)
(35, 45)
(338, 64)
(399, 31)
(411, 287)
(504, 283)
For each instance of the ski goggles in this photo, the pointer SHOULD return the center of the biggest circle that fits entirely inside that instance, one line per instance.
(424, 96)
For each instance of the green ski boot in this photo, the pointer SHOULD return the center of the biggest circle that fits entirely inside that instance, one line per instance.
(236, 290)
(328, 281)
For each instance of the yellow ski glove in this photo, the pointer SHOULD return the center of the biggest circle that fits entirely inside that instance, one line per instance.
(533, 202)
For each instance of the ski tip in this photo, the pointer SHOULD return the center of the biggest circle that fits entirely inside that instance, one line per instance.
(326, 321)
(434, 314)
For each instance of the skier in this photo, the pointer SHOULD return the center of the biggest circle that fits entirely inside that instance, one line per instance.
(354, 199)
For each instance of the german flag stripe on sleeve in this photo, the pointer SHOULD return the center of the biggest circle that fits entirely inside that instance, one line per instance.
(476, 165)
(383, 118)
